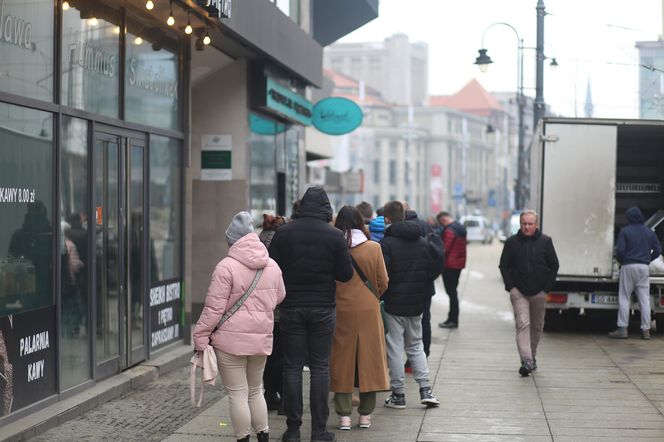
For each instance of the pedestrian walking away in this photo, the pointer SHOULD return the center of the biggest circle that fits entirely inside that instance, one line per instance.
(312, 255)
(246, 287)
(637, 247)
(454, 239)
(358, 354)
(426, 232)
(412, 265)
(529, 266)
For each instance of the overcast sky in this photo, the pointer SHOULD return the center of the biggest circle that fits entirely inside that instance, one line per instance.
(591, 39)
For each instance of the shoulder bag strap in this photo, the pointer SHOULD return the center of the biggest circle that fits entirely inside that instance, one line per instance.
(239, 302)
(363, 277)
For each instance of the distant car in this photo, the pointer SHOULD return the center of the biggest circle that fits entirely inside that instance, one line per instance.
(478, 229)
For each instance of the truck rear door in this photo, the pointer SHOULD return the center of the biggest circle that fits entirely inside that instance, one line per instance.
(578, 196)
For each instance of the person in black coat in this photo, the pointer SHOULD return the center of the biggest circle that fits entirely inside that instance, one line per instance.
(529, 266)
(411, 265)
(312, 255)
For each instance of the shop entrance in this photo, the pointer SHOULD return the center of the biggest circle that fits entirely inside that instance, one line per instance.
(119, 246)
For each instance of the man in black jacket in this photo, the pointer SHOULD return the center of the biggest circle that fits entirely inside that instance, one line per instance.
(312, 254)
(529, 266)
(411, 265)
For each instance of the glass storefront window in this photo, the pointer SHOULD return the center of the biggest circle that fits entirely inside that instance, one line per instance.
(26, 48)
(26, 227)
(74, 259)
(152, 89)
(263, 175)
(165, 201)
(91, 58)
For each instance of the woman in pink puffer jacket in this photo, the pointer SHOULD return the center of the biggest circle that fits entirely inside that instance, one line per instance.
(243, 342)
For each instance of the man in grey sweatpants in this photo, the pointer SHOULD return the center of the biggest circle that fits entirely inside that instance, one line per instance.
(412, 265)
(637, 247)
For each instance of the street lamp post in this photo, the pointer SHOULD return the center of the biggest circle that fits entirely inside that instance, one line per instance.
(539, 72)
(483, 61)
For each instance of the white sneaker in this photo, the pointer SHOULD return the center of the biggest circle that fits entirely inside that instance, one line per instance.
(365, 421)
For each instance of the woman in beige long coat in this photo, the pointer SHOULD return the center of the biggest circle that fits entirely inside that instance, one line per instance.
(358, 354)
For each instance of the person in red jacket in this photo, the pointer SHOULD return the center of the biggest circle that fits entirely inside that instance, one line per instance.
(454, 239)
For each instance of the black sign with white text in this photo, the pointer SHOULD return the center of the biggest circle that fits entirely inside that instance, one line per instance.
(165, 308)
(27, 358)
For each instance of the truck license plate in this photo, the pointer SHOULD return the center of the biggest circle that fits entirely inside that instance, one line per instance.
(605, 299)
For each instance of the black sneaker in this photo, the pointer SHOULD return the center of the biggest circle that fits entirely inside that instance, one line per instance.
(533, 366)
(323, 437)
(448, 324)
(291, 436)
(396, 400)
(427, 398)
(525, 369)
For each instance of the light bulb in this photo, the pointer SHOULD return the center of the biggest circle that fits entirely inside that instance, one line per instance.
(138, 41)
(207, 40)
(116, 30)
(93, 21)
(149, 5)
(170, 21)
(188, 29)
(65, 6)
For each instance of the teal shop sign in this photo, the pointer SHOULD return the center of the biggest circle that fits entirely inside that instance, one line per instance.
(287, 103)
(337, 116)
(265, 126)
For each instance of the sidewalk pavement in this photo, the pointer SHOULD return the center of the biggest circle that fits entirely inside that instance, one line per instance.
(172, 358)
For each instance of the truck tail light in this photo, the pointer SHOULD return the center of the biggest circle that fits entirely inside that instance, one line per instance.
(556, 298)
(661, 300)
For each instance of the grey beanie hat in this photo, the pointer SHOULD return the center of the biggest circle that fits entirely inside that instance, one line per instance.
(241, 225)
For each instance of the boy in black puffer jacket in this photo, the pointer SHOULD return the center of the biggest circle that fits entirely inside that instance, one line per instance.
(412, 265)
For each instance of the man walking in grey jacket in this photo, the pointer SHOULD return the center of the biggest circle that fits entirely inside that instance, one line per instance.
(637, 247)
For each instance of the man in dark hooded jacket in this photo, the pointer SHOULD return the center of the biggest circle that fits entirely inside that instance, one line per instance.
(411, 265)
(529, 266)
(637, 247)
(312, 254)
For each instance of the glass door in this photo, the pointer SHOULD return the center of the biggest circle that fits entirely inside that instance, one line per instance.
(119, 207)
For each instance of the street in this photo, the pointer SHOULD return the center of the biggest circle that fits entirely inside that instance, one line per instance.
(587, 387)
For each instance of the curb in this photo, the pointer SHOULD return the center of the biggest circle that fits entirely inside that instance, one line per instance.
(62, 411)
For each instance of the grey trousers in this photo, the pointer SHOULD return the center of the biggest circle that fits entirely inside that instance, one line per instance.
(405, 333)
(529, 314)
(634, 278)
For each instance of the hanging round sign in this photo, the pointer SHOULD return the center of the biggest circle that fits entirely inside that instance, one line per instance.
(336, 116)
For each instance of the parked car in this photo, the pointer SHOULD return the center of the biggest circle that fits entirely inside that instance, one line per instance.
(478, 229)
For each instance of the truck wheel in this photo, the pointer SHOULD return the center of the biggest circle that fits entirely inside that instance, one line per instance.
(659, 321)
(553, 320)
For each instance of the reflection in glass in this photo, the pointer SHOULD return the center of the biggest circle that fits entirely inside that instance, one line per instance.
(165, 200)
(136, 245)
(26, 229)
(74, 259)
(107, 246)
(263, 190)
(152, 81)
(26, 48)
(91, 58)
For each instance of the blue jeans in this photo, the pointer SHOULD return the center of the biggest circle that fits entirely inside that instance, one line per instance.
(306, 338)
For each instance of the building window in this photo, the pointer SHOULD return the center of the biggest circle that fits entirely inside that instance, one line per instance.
(26, 202)
(91, 59)
(26, 48)
(74, 257)
(393, 171)
(165, 202)
(376, 171)
(152, 83)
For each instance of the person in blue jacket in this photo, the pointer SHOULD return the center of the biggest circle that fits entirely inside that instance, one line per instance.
(377, 226)
(637, 247)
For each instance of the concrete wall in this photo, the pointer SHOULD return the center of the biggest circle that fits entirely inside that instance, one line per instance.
(218, 106)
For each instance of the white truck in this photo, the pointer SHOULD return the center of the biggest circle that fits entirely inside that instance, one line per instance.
(584, 174)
